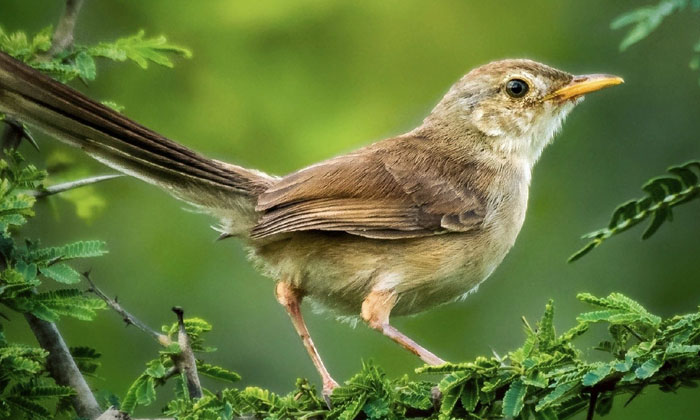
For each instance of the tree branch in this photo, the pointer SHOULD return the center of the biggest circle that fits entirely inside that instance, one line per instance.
(63, 36)
(71, 185)
(129, 319)
(62, 367)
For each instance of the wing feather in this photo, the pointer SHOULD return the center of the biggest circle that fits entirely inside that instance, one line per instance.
(376, 193)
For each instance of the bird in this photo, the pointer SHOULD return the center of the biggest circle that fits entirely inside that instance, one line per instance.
(393, 228)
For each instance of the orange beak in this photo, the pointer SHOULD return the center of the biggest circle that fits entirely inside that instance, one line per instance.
(581, 85)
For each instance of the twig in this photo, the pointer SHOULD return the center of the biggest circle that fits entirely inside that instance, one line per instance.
(185, 361)
(634, 333)
(63, 368)
(591, 406)
(71, 185)
(63, 36)
(129, 319)
(114, 414)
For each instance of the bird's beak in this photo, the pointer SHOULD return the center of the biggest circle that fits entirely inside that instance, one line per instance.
(580, 85)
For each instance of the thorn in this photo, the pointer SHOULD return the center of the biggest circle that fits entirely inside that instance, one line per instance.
(179, 312)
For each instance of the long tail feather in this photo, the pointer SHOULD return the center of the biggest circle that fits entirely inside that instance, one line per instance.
(123, 144)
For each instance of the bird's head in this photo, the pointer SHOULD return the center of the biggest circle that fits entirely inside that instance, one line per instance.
(513, 107)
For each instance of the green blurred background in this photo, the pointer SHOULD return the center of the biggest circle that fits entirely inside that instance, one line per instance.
(278, 85)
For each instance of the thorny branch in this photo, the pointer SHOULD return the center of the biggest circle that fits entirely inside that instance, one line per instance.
(129, 319)
(184, 361)
(71, 185)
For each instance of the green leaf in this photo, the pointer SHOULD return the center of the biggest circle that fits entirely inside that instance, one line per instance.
(140, 50)
(155, 369)
(556, 396)
(217, 372)
(514, 400)
(42, 312)
(648, 368)
(675, 349)
(377, 409)
(130, 399)
(453, 380)
(82, 249)
(470, 395)
(663, 193)
(61, 272)
(596, 375)
(449, 400)
(645, 20)
(31, 408)
(85, 65)
(353, 408)
(546, 335)
(34, 391)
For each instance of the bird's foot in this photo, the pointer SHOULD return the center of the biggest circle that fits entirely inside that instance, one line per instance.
(328, 386)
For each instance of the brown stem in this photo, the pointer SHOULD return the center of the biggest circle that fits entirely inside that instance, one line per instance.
(126, 316)
(71, 185)
(63, 36)
(185, 361)
(63, 368)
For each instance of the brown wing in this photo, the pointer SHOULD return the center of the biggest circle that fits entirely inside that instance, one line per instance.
(385, 192)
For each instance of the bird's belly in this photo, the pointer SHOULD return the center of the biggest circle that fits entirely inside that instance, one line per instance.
(338, 270)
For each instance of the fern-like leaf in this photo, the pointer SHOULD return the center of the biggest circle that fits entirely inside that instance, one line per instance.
(663, 193)
(217, 372)
(140, 50)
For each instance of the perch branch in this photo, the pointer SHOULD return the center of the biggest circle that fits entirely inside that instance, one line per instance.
(185, 361)
(63, 368)
(129, 319)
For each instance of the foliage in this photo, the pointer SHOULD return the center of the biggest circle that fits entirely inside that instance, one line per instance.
(546, 378)
(663, 193)
(143, 390)
(644, 20)
(24, 384)
(79, 61)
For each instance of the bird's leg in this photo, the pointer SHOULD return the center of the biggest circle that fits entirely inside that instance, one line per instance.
(375, 311)
(290, 298)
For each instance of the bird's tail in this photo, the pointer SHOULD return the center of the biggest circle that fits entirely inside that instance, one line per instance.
(227, 190)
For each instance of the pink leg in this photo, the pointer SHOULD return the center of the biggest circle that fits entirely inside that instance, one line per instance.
(375, 311)
(290, 298)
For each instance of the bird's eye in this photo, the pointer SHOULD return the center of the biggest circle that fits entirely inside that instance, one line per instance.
(517, 88)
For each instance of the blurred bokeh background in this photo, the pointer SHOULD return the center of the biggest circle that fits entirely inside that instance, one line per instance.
(278, 85)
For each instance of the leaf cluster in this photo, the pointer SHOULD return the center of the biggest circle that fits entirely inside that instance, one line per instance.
(25, 388)
(642, 21)
(23, 382)
(158, 371)
(79, 61)
(546, 378)
(663, 193)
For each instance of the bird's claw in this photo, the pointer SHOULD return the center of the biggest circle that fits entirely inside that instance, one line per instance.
(328, 386)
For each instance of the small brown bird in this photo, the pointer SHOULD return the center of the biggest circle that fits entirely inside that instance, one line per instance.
(393, 228)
